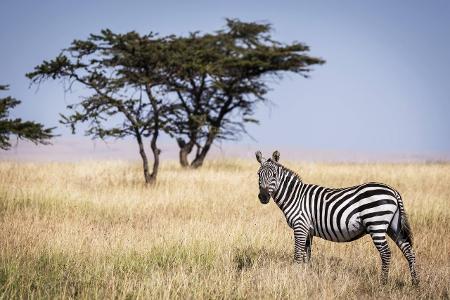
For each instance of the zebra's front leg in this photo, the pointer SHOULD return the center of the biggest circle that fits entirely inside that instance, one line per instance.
(302, 249)
(309, 247)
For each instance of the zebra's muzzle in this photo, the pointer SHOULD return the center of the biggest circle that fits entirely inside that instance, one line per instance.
(263, 196)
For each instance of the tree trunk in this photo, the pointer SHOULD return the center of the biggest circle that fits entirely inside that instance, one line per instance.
(156, 153)
(200, 157)
(147, 175)
(185, 149)
(184, 157)
(153, 146)
(213, 131)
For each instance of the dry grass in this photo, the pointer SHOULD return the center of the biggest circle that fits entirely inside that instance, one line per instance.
(92, 230)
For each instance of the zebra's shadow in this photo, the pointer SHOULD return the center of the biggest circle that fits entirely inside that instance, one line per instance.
(320, 265)
(366, 272)
(249, 257)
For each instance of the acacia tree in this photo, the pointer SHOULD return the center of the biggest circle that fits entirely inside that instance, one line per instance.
(125, 76)
(220, 78)
(26, 130)
(199, 89)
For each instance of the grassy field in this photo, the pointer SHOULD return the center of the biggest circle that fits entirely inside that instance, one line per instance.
(93, 230)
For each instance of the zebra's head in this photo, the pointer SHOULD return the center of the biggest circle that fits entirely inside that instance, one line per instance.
(268, 179)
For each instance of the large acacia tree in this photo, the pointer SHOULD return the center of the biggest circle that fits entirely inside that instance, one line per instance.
(220, 78)
(199, 88)
(25, 130)
(124, 74)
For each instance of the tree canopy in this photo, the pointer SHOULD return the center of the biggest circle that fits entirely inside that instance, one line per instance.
(24, 130)
(125, 76)
(219, 78)
(199, 88)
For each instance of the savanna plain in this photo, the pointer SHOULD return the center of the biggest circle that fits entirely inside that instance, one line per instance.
(93, 230)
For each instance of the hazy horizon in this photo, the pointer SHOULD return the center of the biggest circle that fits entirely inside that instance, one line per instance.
(383, 94)
(75, 148)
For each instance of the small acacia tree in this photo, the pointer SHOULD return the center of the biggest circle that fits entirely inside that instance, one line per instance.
(220, 78)
(26, 130)
(125, 76)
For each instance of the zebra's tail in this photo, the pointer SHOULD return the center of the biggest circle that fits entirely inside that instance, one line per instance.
(405, 228)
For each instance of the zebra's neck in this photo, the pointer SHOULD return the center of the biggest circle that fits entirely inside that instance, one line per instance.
(289, 187)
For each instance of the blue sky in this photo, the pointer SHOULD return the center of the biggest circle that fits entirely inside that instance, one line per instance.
(385, 87)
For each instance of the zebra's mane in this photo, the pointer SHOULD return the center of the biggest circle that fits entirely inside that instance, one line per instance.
(286, 169)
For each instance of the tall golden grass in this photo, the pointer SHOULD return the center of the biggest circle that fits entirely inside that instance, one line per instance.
(93, 230)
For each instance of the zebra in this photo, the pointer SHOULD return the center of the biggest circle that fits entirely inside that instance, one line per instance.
(339, 215)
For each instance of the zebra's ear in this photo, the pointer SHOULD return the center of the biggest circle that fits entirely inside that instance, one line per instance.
(259, 157)
(276, 156)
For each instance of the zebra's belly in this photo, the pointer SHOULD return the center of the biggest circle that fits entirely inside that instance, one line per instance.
(353, 231)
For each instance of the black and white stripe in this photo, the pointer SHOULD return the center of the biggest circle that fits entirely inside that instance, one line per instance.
(339, 215)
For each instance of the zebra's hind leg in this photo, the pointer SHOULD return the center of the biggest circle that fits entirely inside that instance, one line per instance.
(379, 239)
(404, 242)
